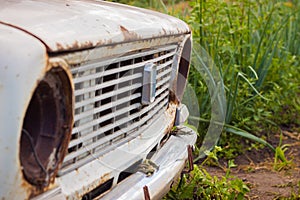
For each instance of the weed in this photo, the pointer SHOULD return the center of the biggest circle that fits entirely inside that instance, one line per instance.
(199, 184)
(212, 158)
(296, 194)
(280, 160)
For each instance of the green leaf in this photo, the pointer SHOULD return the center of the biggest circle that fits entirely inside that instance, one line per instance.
(247, 135)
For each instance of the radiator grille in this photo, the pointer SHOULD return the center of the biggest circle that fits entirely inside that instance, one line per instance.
(108, 109)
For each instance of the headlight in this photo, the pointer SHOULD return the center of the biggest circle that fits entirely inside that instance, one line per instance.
(46, 128)
(181, 69)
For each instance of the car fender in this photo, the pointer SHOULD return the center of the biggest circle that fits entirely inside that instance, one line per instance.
(23, 63)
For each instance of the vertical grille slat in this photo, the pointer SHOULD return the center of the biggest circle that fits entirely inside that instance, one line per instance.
(108, 109)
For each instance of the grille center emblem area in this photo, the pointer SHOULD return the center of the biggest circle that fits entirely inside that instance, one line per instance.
(149, 84)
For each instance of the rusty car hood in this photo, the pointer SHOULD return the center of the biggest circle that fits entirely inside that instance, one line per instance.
(73, 25)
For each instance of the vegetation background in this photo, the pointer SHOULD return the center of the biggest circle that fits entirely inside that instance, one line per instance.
(256, 46)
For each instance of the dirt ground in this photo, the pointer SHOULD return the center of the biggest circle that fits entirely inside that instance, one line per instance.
(256, 169)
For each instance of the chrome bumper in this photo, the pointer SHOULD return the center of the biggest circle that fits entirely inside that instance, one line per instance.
(171, 159)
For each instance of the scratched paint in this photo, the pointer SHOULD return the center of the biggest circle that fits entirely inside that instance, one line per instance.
(86, 24)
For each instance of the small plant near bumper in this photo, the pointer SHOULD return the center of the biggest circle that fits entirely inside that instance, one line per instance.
(199, 184)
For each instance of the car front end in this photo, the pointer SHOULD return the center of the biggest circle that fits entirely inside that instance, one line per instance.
(90, 94)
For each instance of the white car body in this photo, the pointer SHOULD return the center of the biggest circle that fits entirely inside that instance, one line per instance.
(77, 41)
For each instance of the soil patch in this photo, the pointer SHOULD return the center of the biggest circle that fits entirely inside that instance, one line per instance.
(256, 168)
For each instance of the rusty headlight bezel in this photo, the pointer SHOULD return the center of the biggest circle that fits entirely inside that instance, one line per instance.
(47, 128)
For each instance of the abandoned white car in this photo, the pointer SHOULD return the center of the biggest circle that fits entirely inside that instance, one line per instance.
(90, 93)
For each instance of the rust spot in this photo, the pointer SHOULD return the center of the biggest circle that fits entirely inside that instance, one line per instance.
(27, 187)
(123, 29)
(33, 191)
(90, 191)
(173, 98)
(75, 46)
(146, 193)
(59, 46)
(87, 44)
(104, 178)
(190, 159)
(164, 31)
(170, 114)
(129, 35)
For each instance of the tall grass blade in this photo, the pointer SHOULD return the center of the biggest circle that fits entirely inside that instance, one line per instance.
(165, 9)
(250, 84)
(262, 38)
(249, 136)
(234, 130)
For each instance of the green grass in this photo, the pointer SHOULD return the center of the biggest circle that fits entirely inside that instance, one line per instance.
(199, 184)
(250, 43)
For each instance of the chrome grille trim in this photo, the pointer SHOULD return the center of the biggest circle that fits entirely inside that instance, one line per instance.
(112, 71)
(123, 58)
(108, 109)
